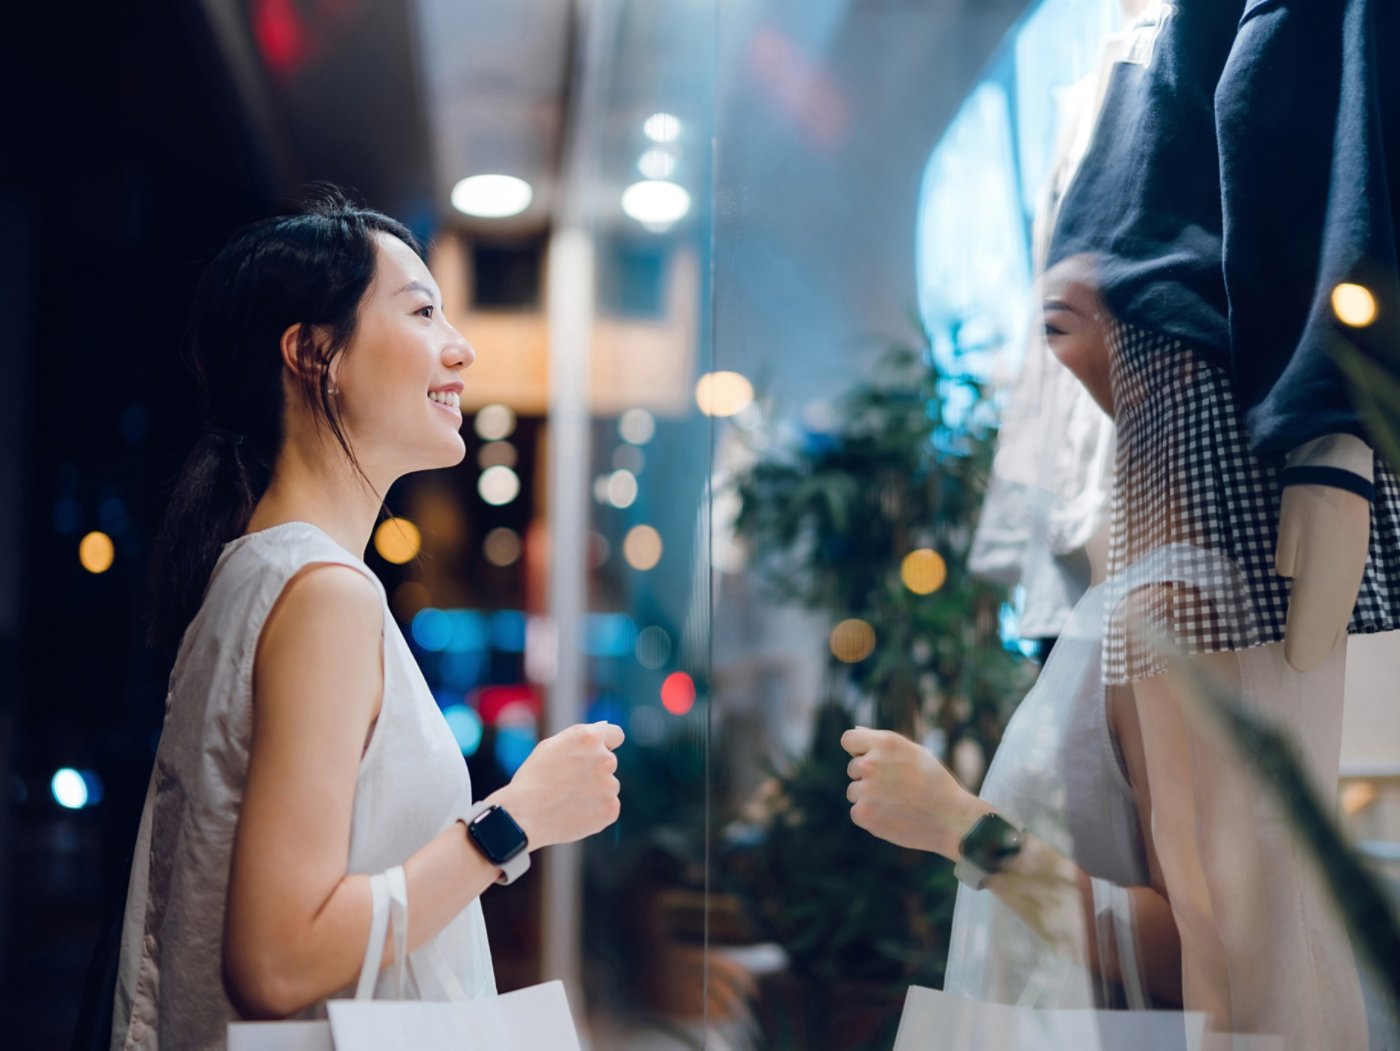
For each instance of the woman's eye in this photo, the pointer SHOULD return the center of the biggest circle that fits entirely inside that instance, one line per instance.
(426, 311)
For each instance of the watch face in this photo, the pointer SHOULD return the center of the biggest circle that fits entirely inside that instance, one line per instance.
(497, 834)
(991, 843)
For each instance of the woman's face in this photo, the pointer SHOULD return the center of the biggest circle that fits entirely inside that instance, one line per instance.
(1076, 325)
(398, 378)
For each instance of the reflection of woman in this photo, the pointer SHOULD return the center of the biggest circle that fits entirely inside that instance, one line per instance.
(1075, 913)
(302, 753)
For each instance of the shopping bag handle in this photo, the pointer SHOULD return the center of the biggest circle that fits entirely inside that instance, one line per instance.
(378, 925)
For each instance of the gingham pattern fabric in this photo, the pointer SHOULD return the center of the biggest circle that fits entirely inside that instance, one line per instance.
(1186, 476)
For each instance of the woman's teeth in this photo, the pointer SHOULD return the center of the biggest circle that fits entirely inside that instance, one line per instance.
(449, 398)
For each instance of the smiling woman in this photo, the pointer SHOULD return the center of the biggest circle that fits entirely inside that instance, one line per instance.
(303, 756)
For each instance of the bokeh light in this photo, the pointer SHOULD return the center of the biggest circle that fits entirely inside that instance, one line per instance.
(69, 789)
(923, 571)
(496, 454)
(653, 647)
(491, 196)
(432, 629)
(465, 725)
(516, 736)
(498, 485)
(598, 550)
(678, 693)
(723, 393)
(636, 426)
(655, 202)
(502, 547)
(628, 458)
(494, 423)
(642, 547)
(852, 641)
(646, 726)
(397, 540)
(662, 127)
(96, 552)
(622, 489)
(657, 164)
(1354, 305)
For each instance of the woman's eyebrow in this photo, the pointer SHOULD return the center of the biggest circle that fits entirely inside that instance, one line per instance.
(416, 286)
(1059, 304)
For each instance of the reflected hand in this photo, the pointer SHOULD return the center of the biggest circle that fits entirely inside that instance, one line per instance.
(901, 793)
(567, 789)
(1323, 536)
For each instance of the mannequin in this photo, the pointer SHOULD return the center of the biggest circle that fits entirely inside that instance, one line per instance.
(1237, 176)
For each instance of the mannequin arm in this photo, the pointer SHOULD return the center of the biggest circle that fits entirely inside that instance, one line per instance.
(1323, 536)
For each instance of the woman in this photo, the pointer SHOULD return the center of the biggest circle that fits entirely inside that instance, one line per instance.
(302, 752)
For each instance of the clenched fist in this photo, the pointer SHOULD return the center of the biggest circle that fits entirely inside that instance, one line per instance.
(901, 793)
(567, 789)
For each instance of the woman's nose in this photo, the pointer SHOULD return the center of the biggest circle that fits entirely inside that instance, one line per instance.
(458, 354)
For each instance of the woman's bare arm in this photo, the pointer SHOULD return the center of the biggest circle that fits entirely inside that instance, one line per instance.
(297, 924)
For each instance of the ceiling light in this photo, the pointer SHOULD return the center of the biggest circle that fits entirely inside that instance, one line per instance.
(492, 196)
(662, 127)
(657, 164)
(655, 202)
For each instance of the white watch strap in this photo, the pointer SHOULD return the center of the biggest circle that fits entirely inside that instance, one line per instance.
(969, 875)
(517, 866)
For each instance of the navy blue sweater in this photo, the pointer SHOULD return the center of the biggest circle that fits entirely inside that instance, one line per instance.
(1246, 165)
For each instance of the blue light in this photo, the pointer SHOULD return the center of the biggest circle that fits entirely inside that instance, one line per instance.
(462, 671)
(508, 631)
(606, 708)
(468, 631)
(111, 515)
(69, 789)
(67, 516)
(466, 728)
(94, 787)
(514, 743)
(432, 629)
(609, 635)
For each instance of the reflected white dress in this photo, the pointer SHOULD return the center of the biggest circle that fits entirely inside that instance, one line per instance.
(1059, 775)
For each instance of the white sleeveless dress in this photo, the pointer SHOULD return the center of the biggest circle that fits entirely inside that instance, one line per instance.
(1058, 775)
(412, 784)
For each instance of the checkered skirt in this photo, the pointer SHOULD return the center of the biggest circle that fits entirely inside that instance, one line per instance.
(1186, 480)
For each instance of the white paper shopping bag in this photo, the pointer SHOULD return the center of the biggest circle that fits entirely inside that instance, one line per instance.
(533, 1019)
(935, 1019)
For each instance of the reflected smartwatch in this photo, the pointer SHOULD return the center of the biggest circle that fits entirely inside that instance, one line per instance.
(500, 840)
(988, 847)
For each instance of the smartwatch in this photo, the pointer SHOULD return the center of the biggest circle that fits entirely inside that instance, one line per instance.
(988, 847)
(500, 840)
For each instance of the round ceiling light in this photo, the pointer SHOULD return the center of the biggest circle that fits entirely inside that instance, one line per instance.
(662, 127)
(492, 196)
(655, 202)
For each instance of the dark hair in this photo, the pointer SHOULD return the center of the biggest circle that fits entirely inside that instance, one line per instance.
(310, 267)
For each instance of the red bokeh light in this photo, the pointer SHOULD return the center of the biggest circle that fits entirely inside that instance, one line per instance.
(678, 693)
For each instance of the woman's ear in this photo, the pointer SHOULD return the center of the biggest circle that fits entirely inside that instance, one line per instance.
(291, 347)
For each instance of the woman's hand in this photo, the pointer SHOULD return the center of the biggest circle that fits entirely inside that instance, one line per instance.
(567, 789)
(901, 793)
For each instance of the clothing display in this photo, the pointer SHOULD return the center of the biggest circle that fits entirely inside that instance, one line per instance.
(1238, 174)
(411, 785)
(1186, 476)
